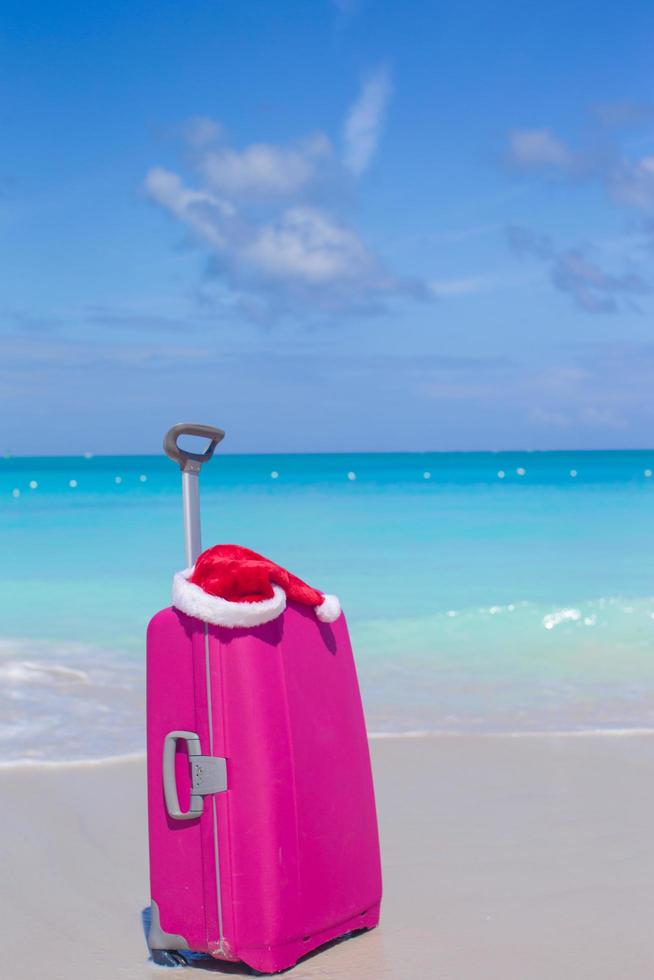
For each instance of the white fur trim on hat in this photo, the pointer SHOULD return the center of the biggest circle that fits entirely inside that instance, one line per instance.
(329, 609)
(194, 601)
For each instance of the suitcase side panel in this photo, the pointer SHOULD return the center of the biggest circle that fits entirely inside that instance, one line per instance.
(176, 847)
(337, 822)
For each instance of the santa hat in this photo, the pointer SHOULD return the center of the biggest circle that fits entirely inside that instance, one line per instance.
(233, 586)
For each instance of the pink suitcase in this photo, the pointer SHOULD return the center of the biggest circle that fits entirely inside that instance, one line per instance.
(263, 831)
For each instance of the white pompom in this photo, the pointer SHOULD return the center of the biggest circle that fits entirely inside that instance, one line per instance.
(329, 609)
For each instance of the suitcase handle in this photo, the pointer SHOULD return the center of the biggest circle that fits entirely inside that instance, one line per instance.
(208, 775)
(169, 782)
(190, 464)
(183, 456)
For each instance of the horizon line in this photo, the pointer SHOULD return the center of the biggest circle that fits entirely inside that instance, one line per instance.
(9, 456)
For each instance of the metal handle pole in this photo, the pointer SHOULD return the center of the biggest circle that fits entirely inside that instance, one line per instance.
(191, 507)
(190, 464)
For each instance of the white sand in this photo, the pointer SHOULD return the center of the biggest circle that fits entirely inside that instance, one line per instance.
(508, 858)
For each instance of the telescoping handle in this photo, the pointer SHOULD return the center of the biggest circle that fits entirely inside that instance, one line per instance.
(190, 465)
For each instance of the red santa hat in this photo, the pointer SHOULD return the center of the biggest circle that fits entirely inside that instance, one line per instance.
(233, 586)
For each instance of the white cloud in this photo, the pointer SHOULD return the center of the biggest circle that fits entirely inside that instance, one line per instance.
(579, 417)
(560, 377)
(465, 286)
(632, 184)
(309, 245)
(551, 418)
(624, 113)
(592, 288)
(269, 216)
(303, 252)
(208, 216)
(201, 131)
(627, 182)
(264, 169)
(365, 120)
(537, 149)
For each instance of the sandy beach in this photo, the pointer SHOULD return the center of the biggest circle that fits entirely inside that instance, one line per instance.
(504, 857)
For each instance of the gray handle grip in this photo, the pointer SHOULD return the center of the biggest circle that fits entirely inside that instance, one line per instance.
(184, 456)
(169, 783)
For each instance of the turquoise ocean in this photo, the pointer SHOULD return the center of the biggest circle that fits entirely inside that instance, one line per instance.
(485, 592)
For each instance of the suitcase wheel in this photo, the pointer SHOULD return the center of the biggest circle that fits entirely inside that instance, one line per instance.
(167, 957)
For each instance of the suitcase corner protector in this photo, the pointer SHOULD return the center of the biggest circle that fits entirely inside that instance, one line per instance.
(158, 938)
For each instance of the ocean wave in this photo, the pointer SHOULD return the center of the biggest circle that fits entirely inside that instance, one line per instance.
(635, 732)
(68, 701)
(32, 672)
(517, 669)
(139, 757)
(541, 733)
(586, 612)
(550, 620)
(92, 763)
(617, 617)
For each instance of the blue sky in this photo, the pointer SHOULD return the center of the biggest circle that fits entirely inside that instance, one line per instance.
(327, 225)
